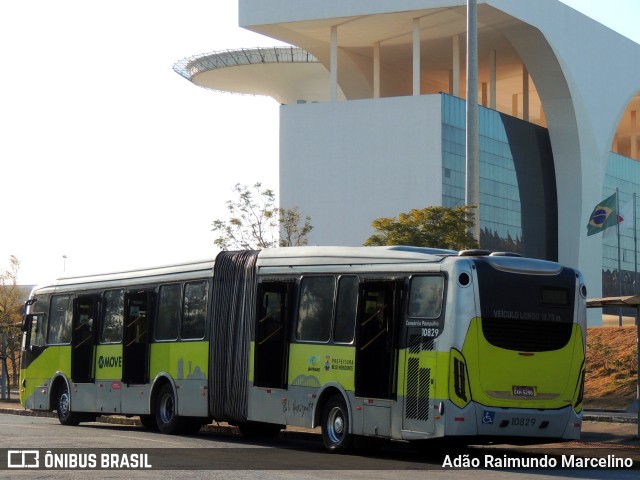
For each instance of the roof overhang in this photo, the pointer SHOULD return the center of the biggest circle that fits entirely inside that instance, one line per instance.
(287, 74)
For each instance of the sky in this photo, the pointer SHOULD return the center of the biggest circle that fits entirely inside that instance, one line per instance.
(108, 158)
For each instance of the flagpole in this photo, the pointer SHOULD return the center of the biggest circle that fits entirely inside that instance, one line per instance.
(635, 249)
(619, 260)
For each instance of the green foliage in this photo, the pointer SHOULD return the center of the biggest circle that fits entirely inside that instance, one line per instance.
(11, 297)
(292, 233)
(435, 227)
(255, 222)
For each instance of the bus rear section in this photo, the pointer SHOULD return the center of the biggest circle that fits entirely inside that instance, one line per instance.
(518, 370)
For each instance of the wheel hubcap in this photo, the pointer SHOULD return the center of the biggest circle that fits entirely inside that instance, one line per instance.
(166, 409)
(335, 425)
(63, 404)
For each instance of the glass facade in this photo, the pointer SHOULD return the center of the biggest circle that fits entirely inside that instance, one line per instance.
(507, 199)
(502, 162)
(622, 173)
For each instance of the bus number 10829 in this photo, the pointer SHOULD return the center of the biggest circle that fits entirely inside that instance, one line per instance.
(430, 332)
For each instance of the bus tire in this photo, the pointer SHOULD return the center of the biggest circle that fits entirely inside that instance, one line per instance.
(335, 425)
(63, 407)
(166, 414)
(149, 422)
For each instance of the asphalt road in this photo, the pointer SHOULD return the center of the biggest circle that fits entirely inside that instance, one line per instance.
(224, 455)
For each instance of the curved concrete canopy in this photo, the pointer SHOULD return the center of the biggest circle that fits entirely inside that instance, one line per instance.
(287, 74)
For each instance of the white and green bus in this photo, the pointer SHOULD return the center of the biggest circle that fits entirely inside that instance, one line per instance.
(382, 342)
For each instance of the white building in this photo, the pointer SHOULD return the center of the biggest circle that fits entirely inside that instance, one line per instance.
(370, 119)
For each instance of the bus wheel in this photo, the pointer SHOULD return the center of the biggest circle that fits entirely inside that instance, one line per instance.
(166, 414)
(63, 407)
(149, 422)
(335, 425)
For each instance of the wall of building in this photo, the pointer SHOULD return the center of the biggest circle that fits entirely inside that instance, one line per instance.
(560, 49)
(348, 163)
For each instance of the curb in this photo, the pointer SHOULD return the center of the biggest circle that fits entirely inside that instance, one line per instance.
(613, 418)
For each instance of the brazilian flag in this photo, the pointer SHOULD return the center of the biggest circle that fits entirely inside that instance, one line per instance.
(605, 215)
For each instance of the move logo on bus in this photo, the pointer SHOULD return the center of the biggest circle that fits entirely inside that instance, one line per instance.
(109, 362)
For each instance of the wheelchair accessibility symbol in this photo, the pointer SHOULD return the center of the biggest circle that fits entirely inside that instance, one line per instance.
(487, 417)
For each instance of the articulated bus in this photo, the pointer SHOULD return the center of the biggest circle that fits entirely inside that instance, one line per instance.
(397, 343)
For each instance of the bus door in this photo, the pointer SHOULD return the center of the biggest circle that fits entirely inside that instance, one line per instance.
(271, 348)
(138, 319)
(376, 339)
(83, 338)
(33, 344)
(423, 320)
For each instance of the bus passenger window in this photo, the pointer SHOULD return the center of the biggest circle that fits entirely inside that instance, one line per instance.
(85, 325)
(137, 322)
(271, 321)
(168, 312)
(346, 309)
(316, 309)
(194, 314)
(60, 320)
(425, 297)
(113, 317)
(375, 312)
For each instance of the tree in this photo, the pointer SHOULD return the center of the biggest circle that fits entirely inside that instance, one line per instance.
(255, 222)
(435, 227)
(11, 296)
(291, 233)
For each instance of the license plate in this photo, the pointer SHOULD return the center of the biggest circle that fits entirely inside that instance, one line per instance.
(520, 391)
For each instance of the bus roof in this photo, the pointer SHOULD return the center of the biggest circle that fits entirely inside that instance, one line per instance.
(349, 255)
(131, 276)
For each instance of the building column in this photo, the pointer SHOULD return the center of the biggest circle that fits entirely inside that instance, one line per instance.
(634, 136)
(376, 70)
(333, 64)
(492, 80)
(484, 94)
(514, 105)
(525, 93)
(416, 56)
(455, 79)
